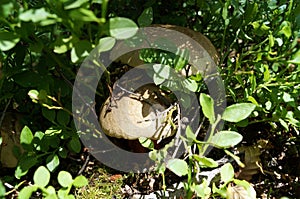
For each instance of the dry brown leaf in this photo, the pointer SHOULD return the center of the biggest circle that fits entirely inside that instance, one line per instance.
(251, 161)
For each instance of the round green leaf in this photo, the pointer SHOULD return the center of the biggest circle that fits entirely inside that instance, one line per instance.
(80, 181)
(64, 178)
(122, 28)
(63, 117)
(26, 136)
(41, 176)
(8, 40)
(225, 139)
(75, 144)
(238, 112)
(106, 43)
(227, 173)
(177, 166)
(205, 162)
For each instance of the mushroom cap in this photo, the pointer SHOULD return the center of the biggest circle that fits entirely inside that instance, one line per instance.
(130, 118)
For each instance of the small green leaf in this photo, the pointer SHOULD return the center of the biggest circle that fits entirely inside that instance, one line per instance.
(225, 139)
(190, 84)
(238, 112)
(64, 179)
(286, 29)
(26, 192)
(26, 136)
(63, 118)
(122, 28)
(2, 190)
(80, 50)
(205, 162)
(296, 58)
(80, 181)
(178, 166)
(106, 43)
(207, 105)
(75, 144)
(8, 40)
(227, 173)
(49, 114)
(52, 162)
(0, 140)
(75, 4)
(287, 97)
(41, 176)
(146, 142)
(83, 14)
(36, 15)
(24, 164)
(202, 190)
(191, 137)
(146, 18)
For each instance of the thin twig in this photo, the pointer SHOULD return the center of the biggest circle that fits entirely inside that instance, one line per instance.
(4, 111)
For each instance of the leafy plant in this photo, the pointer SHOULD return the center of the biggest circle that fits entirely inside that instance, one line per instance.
(41, 179)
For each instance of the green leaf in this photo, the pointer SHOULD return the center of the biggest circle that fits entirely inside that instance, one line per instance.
(146, 142)
(41, 176)
(0, 140)
(146, 18)
(190, 84)
(34, 95)
(26, 192)
(8, 40)
(178, 166)
(36, 15)
(225, 139)
(286, 29)
(238, 112)
(106, 43)
(75, 4)
(24, 164)
(2, 190)
(287, 97)
(191, 137)
(202, 190)
(26, 136)
(64, 179)
(205, 162)
(75, 144)
(227, 173)
(83, 14)
(63, 118)
(80, 181)
(52, 162)
(296, 58)
(49, 114)
(162, 72)
(207, 104)
(80, 50)
(122, 28)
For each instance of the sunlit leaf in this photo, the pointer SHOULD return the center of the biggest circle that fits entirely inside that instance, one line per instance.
(178, 166)
(207, 105)
(80, 181)
(26, 136)
(227, 173)
(41, 176)
(238, 112)
(64, 179)
(225, 139)
(8, 40)
(122, 28)
(52, 162)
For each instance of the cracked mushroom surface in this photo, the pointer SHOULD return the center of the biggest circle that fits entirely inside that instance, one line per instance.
(142, 114)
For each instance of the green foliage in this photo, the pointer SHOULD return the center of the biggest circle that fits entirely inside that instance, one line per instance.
(41, 179)
(42, 44)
